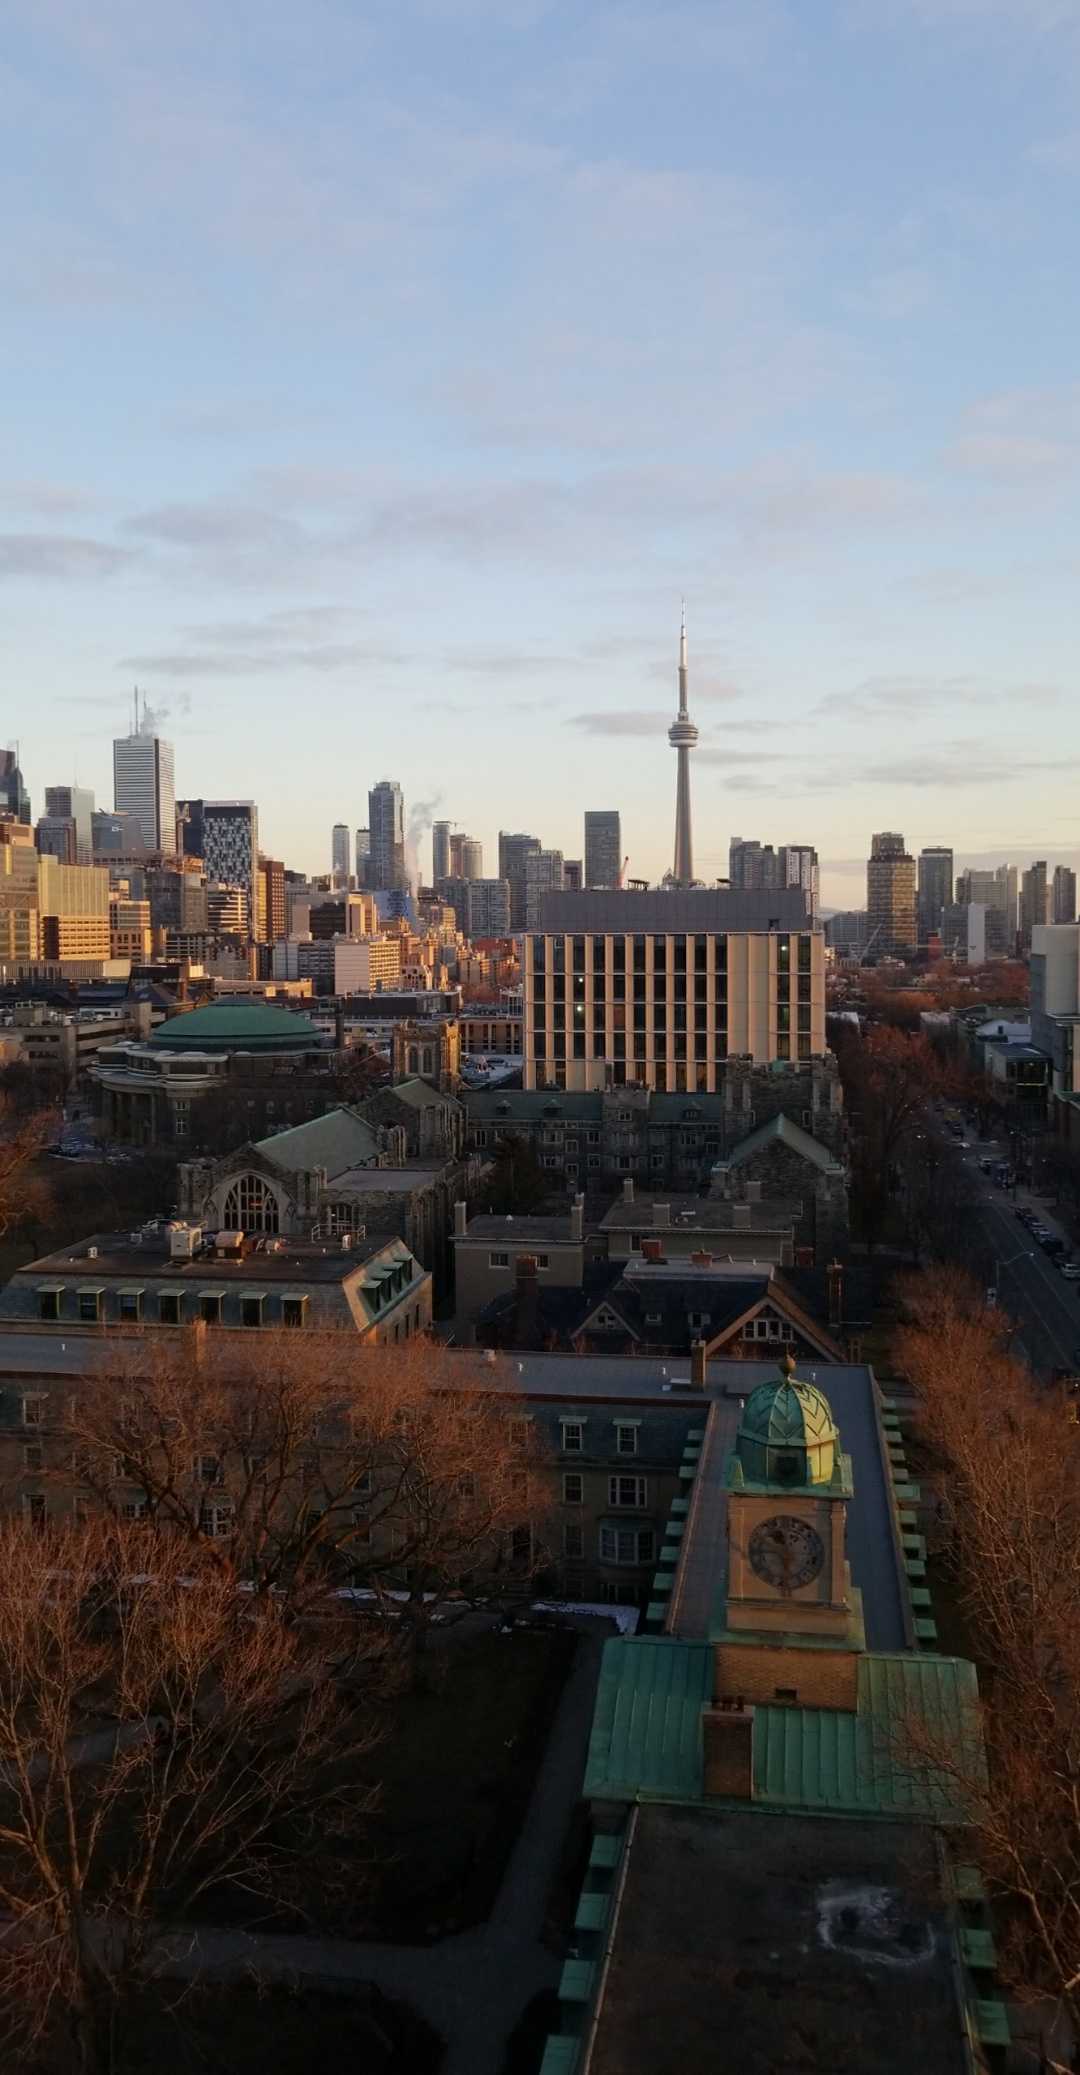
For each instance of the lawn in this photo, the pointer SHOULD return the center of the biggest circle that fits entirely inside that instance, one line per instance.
(455, 1779)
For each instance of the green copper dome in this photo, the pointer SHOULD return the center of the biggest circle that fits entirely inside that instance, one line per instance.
(236, 1026)
(786, 1433)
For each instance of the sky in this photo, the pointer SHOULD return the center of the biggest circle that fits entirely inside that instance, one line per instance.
(378, 377)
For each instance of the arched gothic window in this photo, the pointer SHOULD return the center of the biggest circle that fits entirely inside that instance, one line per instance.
(251, 1206)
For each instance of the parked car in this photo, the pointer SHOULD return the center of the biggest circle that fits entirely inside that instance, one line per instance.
(1070, 1270)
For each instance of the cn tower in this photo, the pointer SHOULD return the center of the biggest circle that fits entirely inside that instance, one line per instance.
(683, 736)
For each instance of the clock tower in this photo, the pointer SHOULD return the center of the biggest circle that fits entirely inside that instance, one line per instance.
(792, 1623)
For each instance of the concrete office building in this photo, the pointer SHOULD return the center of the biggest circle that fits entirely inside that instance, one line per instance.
(73, 902)
(339, 854)
(143, 783)
(573, 875)
(756, 867)
(514, 853)
(20, 916)
(935, 889)
(55, 836)
(363, 855)
(657, 990)
(130, 935)
(1063, 895)
(1034, 900)
(365, 965)
(603, 846)
(116, 836)
(543, 875)
(272, 898)
(74, 803)
(890, 897)
(386, 821)
(481, 906)
(440, 851)
(229, 831)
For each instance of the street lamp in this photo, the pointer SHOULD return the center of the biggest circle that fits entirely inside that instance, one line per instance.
(1024, 1254)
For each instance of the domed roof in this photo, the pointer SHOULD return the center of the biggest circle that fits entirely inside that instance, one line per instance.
(236, 1026)
(787, 1434)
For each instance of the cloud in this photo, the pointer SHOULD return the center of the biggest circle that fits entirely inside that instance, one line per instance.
(615, 723)
(894, 697)
(963, 765)
(346, 655)
(510, 663)
(46, 500)
(1020, 435)
(59, 558)
(1010, 457)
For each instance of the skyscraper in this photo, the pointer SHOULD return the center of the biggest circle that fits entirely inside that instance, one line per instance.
(514, 850)
(683, 736)
(386, 821)
(231, 848)
(543, 874)
(890, 897)
(143, 783)
(14, 798)
(935, 888)
(363, 854)
(472, 858)
(1063, 896)
(440, 851)
(74, 803)
(603, 846)
(1034, 899)
(755, 867)
(339, 854)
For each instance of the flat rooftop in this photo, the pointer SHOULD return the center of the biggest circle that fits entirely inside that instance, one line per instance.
(291, 1261)
(770, 1945)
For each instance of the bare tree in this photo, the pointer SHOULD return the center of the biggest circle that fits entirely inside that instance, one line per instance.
(163, 1737)
(1005, 1456)
(22, 1139)
(304, 1460)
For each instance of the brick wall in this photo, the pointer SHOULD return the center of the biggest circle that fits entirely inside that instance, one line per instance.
(818, 1678)
(728, 1752)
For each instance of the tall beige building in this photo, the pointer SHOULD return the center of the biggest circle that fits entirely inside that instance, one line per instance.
(663, 1007)
(74, 904)
(890, 897)
(20, 920)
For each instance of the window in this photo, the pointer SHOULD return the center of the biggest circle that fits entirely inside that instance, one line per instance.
(573, 1488)
(251, 1206)
(768, 1329)
(628, 1491)
(365, 1483)
(34, 1508)
(33, 1411)
(573, 1540)
(208, 1469)
(626, 1545)
(519, 1432)
(210, 1308)
(216, 1519)
(573, 1436)
(698, 1319)
(499, 1260)
(133, 1509)
(33, 1457)
(292, 1311)
(251, 1311)
(549, 1160)
(466, 1486)
(129, 1306)
(90, 1306)
(48, 1304)
(170, 1307)
(542, 1260)
(625, 1439)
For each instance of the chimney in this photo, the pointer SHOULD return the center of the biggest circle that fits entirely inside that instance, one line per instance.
(628, 1189)
(661, 1216)
(728, 1739)
(834, 1283)
(461, 1219)
(700, 1259)
(577, 1221)
(526, 1302)
(652, 1249)
(697, 1364)
(740, 1217)
(339, 1028)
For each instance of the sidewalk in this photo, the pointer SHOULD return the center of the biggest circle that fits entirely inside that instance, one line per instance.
(472, 1988)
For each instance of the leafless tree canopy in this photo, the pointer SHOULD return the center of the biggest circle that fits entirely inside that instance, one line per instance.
(1003, 1455)
(162, 1736)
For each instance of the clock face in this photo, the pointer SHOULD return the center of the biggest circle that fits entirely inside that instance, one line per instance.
(786, 1552)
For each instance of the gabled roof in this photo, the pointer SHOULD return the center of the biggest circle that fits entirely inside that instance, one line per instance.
(780, 1130)
(419, 1095)
(337, 1141)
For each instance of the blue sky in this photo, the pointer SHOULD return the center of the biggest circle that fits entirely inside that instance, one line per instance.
(377, 377)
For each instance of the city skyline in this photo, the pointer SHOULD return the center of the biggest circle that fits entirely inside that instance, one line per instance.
(826, 392)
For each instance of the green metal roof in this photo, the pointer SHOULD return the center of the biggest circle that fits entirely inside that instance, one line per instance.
(337, 1141)
(786, 1418)
(646, 1736)
(241, 1026)
(780, 1130)
(646, 1733)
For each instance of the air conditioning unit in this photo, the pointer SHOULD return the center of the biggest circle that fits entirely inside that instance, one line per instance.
(184, 1241)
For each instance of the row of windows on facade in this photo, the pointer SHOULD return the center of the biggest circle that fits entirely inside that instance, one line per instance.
(681, 949)
(683, 1045)
(615, 993)
(177, 1308)
(685, 1078)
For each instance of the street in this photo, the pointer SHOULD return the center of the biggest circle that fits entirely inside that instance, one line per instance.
(1030, 1289)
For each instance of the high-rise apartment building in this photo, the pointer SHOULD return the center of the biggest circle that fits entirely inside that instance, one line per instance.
(603, 846)
(440, 851)
(890, 897)
(481, 906)
(20, 918)
(363, 856)
(177, 897)
(386, 821)
(14, 798)
(74, 803)
(755, 867)
(659, 989)
(472, 858)
(230, 839)
(573, 875)
(272, 898)
(340, 862)
(514, 850)
(227, 910)
(1063, 895)
(543, 874)
(73, 902)
(935, 889)
(1034, 900)
(143, 784)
